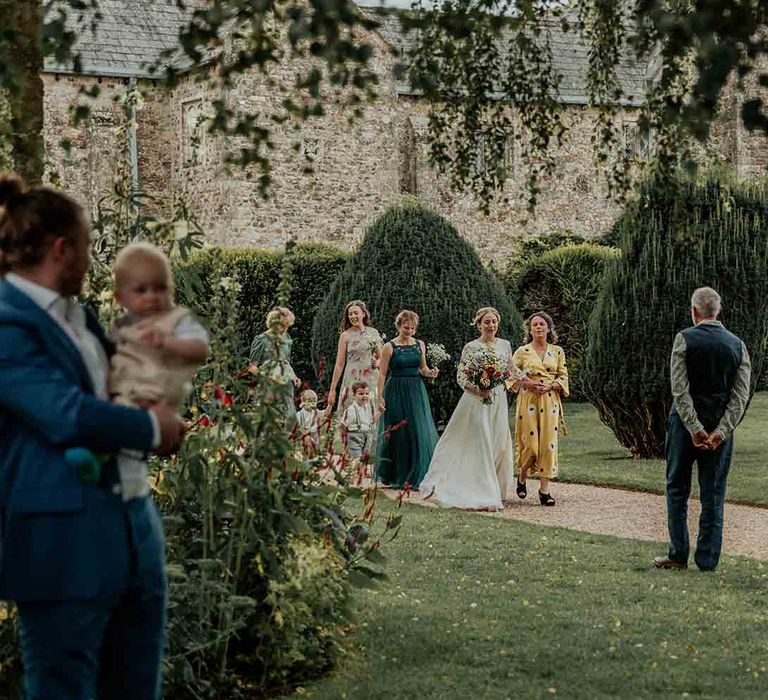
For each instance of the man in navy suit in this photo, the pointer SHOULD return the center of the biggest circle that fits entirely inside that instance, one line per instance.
(84, 566)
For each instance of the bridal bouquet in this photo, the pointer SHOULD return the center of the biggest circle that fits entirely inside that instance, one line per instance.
(485, 371)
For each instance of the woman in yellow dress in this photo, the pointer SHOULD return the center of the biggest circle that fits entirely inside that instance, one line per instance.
(539, 411)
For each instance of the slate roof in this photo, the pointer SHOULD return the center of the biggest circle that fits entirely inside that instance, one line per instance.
(570, 56)
(133, 33)
(130, 36)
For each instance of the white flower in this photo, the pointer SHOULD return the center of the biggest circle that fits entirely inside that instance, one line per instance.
(436, 354)
(229, 284)
(181, 230)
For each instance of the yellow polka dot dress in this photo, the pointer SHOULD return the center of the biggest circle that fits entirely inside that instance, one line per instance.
(538, 417)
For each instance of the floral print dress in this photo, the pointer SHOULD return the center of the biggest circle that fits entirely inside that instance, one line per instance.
(360, 345)
(539, 418)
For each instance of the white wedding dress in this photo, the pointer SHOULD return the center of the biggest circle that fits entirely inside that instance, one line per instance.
(473, 463)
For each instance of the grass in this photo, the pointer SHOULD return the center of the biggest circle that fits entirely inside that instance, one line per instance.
(590, 454)
(482, 608)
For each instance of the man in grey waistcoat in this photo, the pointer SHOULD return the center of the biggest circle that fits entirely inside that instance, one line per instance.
(710, 373)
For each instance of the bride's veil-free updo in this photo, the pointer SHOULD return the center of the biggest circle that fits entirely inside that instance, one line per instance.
(483, 311)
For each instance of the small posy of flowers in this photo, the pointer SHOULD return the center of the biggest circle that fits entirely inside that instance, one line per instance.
(374, 343)
(486, 371)
(437, 354)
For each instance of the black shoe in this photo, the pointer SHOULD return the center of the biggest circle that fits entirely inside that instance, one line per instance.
(546, 499)
(522, 491)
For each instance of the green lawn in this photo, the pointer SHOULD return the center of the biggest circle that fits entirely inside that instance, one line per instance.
(477, 607)
(590, 454)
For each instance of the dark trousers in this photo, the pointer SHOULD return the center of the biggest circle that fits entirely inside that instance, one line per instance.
(713, 467)
(110, 647)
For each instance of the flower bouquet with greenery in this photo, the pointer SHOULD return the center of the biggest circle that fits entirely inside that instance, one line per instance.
(485, 371)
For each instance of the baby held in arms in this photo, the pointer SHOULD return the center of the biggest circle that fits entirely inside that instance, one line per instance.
(159, 347)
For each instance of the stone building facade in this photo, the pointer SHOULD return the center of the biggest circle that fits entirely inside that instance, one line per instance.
(360, 168)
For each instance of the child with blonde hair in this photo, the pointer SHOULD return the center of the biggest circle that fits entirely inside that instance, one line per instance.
(309, 419)
(159, 347)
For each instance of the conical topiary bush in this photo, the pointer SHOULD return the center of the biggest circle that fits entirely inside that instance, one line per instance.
(564, 282)
(411, 258)
(674, 238)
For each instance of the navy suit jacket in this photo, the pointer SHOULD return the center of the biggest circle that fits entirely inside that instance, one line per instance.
(52, 543)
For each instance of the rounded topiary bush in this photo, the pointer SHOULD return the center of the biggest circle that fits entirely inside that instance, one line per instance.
(411, 258)
(565, 283)
(676, 237)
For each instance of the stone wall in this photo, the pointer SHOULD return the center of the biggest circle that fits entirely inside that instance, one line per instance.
(359, 167)
(362, 167)
(97, 150)
(573, 199)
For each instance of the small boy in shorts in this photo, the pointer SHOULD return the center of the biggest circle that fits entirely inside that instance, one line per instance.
(359, 422)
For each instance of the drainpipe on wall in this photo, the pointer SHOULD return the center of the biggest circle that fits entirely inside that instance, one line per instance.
(133, 146)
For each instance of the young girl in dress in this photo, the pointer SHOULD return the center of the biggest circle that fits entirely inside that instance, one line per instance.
(357, 355)
(309, 419)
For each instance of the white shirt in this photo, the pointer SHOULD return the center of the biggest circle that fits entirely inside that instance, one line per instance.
(358, 419)
(70, 317)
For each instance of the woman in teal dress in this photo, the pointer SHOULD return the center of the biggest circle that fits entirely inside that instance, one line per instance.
(271, 353)
(407, 433)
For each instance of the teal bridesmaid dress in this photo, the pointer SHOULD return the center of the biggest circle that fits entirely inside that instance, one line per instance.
(407, 433)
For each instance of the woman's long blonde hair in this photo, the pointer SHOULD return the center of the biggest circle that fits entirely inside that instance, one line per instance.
(483, 311)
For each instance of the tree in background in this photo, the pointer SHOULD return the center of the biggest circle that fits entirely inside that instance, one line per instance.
(484, 66)
(564, 282)
(673, 240)
(412, 258)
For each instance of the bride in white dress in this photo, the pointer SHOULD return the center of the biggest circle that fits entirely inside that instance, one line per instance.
(473, 463)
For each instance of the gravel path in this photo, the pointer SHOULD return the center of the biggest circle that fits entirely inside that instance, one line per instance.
(631, 514)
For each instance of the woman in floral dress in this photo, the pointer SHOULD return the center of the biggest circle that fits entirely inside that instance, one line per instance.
(357, 355)
(539, 410)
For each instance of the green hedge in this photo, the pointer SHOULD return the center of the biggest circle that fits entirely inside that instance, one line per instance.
(564, 282)
(676, 237)
(315, 266)
(412, 258)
